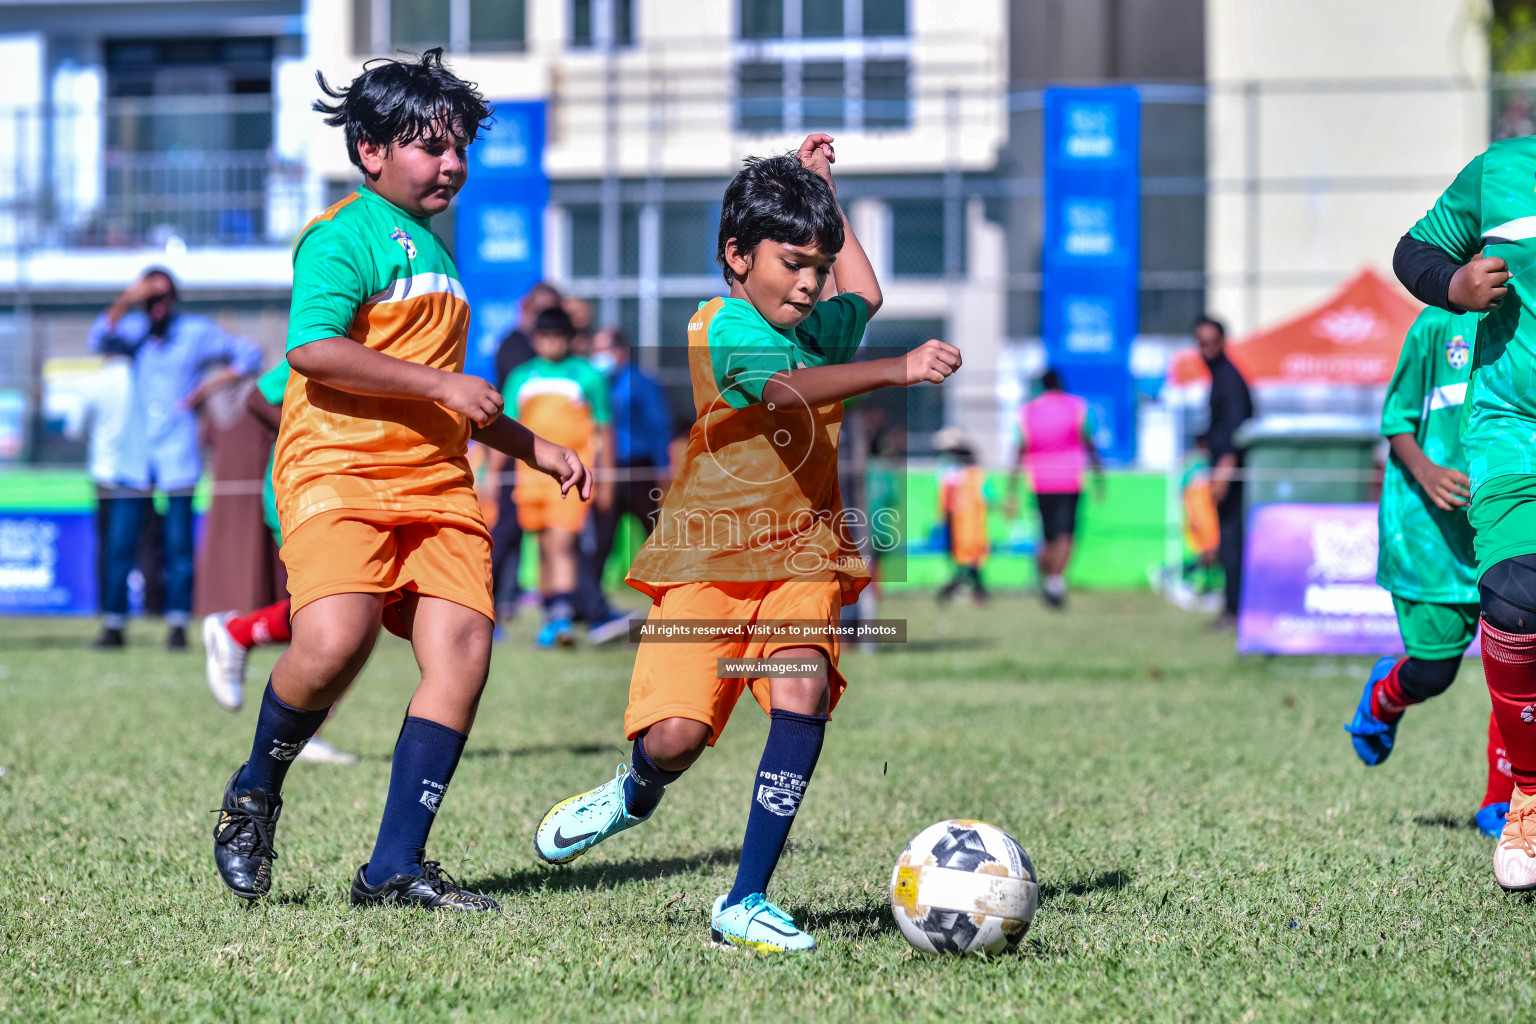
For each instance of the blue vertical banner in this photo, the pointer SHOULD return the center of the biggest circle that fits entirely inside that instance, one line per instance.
(499, 227)
(1092, 252)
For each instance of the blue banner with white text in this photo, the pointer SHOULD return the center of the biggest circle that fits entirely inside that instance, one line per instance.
(1092, 252)
(499, 227)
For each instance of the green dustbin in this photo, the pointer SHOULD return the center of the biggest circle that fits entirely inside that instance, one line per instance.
(1310, 458)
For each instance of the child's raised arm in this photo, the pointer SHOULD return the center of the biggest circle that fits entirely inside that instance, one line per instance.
(930, 362)
(853, 273)
(346, 365)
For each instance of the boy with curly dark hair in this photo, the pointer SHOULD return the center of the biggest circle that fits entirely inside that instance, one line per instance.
(375, 496)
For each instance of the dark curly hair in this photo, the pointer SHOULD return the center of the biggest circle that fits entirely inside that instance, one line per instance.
(778, 199)
(396, 102)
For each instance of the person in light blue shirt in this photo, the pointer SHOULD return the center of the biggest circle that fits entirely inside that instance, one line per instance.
(642, 439)
(172, 354)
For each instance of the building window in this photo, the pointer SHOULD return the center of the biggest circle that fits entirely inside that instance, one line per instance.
(497, 25)
(762, 19)
(885, 18)
(760, 97)
(590, 17)
(887, 102)
(821, 20)
(586, 252)
(419, 23)
(809, 65)
(917, 238)
(381, 26)
(689, 234)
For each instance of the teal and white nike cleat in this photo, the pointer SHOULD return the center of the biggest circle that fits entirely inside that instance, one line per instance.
(572, 827)
(757, 924)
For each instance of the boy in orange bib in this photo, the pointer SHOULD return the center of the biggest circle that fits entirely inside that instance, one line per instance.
(753, 527)
(375, 496)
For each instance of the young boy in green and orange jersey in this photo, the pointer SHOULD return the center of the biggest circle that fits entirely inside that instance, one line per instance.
(373, 489)
(753, 528)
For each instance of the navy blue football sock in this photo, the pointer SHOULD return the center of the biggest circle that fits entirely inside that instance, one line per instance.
(426, 755)
(645, 783)
(281, 732)
(789, 758)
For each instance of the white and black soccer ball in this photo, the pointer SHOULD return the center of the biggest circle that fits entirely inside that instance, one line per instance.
(964, 887)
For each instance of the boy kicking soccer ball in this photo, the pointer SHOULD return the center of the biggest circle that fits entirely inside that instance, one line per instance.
(375, 495)
(752, 528)
(1426, 557)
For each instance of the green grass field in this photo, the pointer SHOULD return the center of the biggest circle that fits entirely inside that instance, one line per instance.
(1208, 848)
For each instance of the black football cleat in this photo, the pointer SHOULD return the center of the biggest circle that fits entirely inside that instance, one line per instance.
(243, 840)
(433, 889)
(176, 638)
(110, 639)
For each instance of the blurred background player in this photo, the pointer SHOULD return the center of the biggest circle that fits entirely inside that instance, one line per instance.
(561, 397)
(1486, 210)
(771, 367)
(963, 506)
(1231, 405)
(229, 636)
(1426, 556)
(1202, 529)
(172, 353)
(1055, 445)
(499, 482)
(642, 438)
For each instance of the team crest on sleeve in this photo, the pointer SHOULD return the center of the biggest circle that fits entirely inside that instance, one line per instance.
(405, 243)
(1457, 353)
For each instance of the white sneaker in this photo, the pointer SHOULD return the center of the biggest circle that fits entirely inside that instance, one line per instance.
(318, 751)
(225, 661)
(611, 628)
(1514, 858)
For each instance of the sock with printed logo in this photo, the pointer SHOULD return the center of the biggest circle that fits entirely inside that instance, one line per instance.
(646, 782)
(1509, 665)
(1500, 781)
(789, 758)
(267, 625)
(426, 755)
(281, 732)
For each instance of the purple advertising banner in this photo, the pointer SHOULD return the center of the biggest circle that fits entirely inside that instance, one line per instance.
(1309, 584)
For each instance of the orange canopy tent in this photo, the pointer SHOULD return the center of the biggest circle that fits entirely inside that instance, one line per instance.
(1352, 338)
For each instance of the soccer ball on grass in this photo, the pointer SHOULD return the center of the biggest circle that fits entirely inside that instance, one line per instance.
(963, 887)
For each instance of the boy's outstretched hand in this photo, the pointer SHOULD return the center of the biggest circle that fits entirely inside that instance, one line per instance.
(562, 464)
(931, 362)
(815, 154)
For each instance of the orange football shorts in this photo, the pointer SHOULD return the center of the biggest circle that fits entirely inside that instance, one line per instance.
(556, 513)
(680, 680)
(365, 551)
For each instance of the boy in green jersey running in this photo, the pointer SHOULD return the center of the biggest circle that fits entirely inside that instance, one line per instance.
(1473, 251)
(1426, 554)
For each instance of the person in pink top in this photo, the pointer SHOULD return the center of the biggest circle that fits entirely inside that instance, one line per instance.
(1055, 446)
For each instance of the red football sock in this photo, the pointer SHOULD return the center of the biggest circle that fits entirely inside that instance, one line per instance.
(267, 625)
(1388, 699)
(1509, 663)
(1500, 780)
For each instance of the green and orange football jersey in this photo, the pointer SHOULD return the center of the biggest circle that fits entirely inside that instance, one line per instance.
(369, 271)
(564, 402)
(756, 495)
